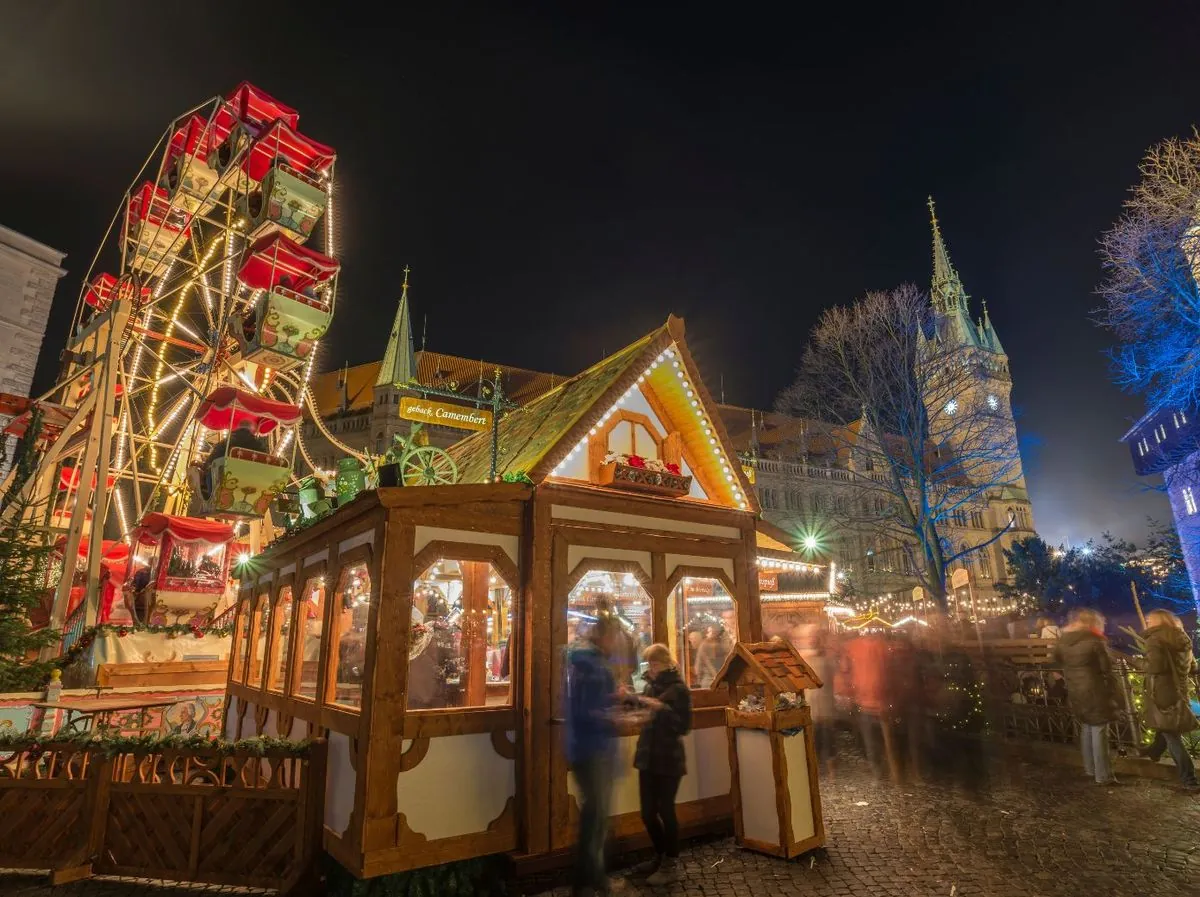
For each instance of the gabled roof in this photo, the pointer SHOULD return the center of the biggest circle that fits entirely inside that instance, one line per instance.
(536, 438)
(776, 664)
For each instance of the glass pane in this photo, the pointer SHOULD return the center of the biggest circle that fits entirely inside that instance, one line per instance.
(622, 592)
(620, 439)
(311, 620)
(258, 641)
(240, 641)
(282, 620)
(352, 609)
(706, 621)
(459, 645)
(646, 446)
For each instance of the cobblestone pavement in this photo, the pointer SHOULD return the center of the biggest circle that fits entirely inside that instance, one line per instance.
(1040, 831)
(1037, 832)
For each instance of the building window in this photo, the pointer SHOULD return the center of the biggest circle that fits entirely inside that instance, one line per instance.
(1182, 416)
(621, 594)
(462, 619)
(1189, 499)
(1141, 448)
(704, 628)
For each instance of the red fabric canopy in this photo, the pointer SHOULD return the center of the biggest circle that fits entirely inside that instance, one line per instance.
(227, 407)
(153, 205)
(291, 146)
(113, 550)
(196, 138)
(54, 418)
(257, 107)
(276, 257)
(182, 529)
(99, 291)
(68, 478)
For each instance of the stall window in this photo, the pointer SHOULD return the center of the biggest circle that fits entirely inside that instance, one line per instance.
(623, 594)
(282, 621)
(310, 620)
(461, 636)
(704, 628)
(633, 438)
(241, 638)
(258, 641)
(352, 607)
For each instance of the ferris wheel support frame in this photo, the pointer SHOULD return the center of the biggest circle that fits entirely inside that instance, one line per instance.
(96, 457)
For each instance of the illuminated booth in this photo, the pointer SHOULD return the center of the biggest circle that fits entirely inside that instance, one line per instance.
(422, 629)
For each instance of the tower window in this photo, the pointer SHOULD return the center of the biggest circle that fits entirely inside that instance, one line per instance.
(1189, 500)
(1182, 416)
(1142, 448)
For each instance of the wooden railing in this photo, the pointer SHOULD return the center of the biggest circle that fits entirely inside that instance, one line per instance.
(190, 815)
(223, 620)
(73, 627)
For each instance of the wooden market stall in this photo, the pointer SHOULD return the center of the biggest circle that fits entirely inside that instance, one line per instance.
(422, 628)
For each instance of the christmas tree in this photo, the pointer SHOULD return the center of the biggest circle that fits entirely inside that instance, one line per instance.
(23, 562)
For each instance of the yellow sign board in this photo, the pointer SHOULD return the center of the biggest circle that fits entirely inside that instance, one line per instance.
(749, 472)
(443, 414)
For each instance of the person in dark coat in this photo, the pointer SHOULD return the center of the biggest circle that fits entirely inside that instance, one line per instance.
(1168, 668)
(660, 761)
(1094, 691)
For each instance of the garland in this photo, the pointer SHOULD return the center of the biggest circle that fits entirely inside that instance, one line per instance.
(112, 745)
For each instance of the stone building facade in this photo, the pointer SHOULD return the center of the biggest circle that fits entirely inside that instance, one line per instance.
(29, 275)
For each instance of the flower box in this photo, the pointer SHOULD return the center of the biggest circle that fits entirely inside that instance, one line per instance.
(642, 479)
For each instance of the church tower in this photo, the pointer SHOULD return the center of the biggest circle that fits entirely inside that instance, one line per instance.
(976, 346)
(399, 367)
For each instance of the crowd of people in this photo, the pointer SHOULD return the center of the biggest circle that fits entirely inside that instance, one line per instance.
(915, 696)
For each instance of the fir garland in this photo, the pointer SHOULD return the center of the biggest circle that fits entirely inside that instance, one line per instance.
(88, 635)
(112, 745)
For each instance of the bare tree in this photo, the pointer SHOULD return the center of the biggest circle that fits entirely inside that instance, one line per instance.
(903, 407)
(1152, 299)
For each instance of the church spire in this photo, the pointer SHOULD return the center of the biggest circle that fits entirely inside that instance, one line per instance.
(989, 333)
(946, 291)
(399, 362)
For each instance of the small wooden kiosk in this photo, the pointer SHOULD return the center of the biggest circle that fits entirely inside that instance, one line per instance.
(776, 798)
(422, 629)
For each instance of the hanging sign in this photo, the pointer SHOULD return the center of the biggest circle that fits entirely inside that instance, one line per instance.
(443, 414)
(748, 470)
(768, 582)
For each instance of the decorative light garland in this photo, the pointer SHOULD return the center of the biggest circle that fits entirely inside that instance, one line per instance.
(668, 355)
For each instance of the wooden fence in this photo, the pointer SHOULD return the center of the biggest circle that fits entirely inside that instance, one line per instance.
(178, 815)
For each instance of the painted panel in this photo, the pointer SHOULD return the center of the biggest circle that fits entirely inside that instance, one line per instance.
(589, 515)
(16, 718)
(339, 783)
(427, 534)
(696, 560)
(708, 774)
(795, 752)
(756, 782)
(576, 553)
(364, 538)
(459, 788)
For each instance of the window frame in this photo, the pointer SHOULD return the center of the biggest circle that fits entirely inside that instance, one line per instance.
(365, 555)
(700, 572)
(508, 571)
(285, 582)
(318, 570)
(260, 597)
(241, 629)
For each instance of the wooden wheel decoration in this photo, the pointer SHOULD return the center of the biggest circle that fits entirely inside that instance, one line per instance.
(428, 466)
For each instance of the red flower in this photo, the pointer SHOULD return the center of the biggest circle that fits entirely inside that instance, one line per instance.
(122, 632)
(673, 468)
(198, 633)
(636, 461)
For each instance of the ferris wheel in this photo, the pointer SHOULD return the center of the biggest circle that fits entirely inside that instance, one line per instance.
(199, 319)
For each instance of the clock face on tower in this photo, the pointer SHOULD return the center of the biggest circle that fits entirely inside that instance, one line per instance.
(993, 403)
(952, 407)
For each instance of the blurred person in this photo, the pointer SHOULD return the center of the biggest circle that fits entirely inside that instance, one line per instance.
(710, 655)
(1094, 692)
(867, 657)
(660, 760)
(1168, 667)
(822, 702)
(1046, 628)
(591, 694)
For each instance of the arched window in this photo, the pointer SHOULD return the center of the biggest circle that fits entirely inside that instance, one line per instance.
(310, 626)
(701, 627)
(351, 611)
(281, 640)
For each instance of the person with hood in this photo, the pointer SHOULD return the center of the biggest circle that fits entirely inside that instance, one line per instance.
(591, 737)
(1094, 692)
(1168, 667)
(659, 760)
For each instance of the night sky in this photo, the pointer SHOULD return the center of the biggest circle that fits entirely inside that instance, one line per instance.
(561, 182)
